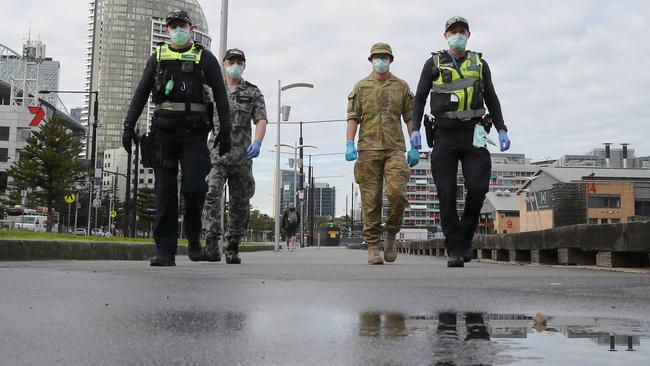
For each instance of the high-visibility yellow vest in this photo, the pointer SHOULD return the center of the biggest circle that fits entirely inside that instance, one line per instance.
(179, 79)
(457, 92)
(165, 53)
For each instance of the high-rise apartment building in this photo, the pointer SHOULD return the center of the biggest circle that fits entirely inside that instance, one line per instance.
(509, 173)
(324, 200)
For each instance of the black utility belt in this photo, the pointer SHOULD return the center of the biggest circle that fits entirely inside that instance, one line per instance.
(182, 107)
(198, 121)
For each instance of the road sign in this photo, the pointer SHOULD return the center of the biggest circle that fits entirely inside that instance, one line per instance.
(69, 198)
(97, 202)
(113, 214)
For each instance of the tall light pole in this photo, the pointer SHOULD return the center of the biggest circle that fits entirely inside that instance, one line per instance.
(223, 40)
(115, 174)
(93, 149)
(277, 156)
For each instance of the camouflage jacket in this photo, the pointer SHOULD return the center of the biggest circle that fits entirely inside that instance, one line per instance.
(377, 106)
(246, 105)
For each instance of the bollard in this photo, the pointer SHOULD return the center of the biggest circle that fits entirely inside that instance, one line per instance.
(612, 343)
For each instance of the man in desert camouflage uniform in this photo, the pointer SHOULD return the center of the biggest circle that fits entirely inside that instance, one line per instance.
(246, 105)
(376, 104)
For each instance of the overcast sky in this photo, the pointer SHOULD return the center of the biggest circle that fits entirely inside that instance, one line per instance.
(569, 75)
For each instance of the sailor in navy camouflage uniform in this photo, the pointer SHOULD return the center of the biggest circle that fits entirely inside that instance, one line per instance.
(236, 167)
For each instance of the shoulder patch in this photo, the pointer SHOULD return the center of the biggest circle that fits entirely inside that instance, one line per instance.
(250, 84)
(352, 94)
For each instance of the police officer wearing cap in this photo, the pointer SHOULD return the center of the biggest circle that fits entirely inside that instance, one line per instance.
(236, 167)
(460, 84)
(176, 74)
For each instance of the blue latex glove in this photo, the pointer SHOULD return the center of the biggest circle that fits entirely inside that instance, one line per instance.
(413, 157)
(350, 151)
(504, 141)
(416, 140)
(253, 150)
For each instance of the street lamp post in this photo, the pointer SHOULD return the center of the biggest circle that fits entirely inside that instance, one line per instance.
(277, 157)
(93, 149)
(110, 226)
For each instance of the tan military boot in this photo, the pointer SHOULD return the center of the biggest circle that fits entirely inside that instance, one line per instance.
(390, 248)
(373, 255)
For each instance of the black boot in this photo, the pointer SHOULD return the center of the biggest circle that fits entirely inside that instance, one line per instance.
(163, 260)
(194, 251)
(467, 254)
(232, 252)
(211, 252)
(455, 261)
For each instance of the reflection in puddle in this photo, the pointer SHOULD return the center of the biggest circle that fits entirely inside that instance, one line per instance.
(486, 339)
(290, 337)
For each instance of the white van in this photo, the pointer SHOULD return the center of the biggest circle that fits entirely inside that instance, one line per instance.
(31, 223)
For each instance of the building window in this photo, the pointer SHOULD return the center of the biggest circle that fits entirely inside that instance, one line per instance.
(604, 201)
(4, 133)
(593, 221)
(4, 154)
(603, 221)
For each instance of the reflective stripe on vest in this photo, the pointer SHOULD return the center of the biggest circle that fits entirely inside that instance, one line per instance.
(462, 84)
(165, 53)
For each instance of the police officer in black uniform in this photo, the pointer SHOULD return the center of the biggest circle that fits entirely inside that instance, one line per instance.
(461, 86)
(176, 74)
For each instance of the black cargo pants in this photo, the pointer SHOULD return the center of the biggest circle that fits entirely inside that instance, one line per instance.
(187, 144)
(450, 147)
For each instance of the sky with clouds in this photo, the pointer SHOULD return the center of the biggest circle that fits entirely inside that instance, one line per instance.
(569, 75)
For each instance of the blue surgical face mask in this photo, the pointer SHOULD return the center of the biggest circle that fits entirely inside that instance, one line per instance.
(235, 71)
(180, 36)
(457, 41)
(380, 64)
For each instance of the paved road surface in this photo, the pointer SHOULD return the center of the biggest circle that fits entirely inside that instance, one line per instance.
(315, 307)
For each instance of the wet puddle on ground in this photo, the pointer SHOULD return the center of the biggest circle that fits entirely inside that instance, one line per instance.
(514, 339)
(331, 337)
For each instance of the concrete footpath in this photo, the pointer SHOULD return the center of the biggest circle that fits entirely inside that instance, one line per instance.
(313, 307)
(30, 250)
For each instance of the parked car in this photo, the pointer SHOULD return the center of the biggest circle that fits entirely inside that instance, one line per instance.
(97, 232)
(80, 231)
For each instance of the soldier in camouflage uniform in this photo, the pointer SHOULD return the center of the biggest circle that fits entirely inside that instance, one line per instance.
(376, 104)
(246, 104)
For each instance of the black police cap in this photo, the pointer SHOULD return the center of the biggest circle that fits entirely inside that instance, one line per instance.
(234, 52)
(178, 15)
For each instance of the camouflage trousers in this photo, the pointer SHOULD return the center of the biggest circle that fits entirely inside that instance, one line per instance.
(241, 185)
(370, 170)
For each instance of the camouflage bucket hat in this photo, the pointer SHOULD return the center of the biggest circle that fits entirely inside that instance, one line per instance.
(381, 48)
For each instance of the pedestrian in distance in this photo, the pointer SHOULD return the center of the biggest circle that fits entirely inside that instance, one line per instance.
(375, 106)
(290, 224)
(175, 75)
(236, 167)
(460, 84)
